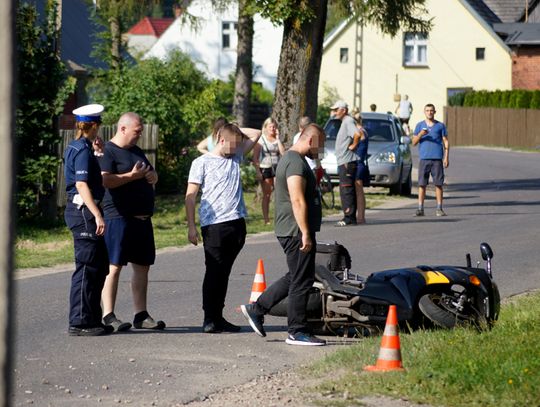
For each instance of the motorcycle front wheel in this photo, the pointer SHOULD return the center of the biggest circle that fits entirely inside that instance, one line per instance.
(442, 313)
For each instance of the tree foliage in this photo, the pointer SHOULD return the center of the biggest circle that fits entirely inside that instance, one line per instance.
(173, 94)
(42, 90)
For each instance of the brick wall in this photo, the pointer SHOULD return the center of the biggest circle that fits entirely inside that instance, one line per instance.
(526, 68)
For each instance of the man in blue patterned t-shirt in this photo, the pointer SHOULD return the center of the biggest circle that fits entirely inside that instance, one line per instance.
(433, 148)
(221, 215)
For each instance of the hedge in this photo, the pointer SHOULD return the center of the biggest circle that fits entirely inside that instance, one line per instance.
(509, 99)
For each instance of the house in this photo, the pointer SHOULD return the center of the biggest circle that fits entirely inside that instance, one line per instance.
(211, 43)
(140, 38)
(461, 52)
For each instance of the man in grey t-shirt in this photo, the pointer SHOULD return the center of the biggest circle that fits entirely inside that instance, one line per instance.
(346, 161)
(221, 213)
(298, 218)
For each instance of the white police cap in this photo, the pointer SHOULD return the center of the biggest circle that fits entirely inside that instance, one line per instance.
(89, 113)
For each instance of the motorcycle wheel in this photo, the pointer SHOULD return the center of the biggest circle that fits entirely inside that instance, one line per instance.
(432, 307)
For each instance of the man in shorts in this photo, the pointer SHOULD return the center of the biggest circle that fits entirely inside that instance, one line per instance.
(129, 179)
(433, 148)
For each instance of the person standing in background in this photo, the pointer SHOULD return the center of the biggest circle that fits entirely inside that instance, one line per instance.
(433, 149)
(360, 146)
(266, 155)
(404, 110)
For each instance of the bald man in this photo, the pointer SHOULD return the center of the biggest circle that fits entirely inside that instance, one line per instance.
(128, 205)
(297, 219)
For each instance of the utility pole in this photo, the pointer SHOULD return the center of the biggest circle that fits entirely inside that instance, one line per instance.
(357, 99)
(7, 191)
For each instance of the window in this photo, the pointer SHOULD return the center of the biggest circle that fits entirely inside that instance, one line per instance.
(228, 34)
(480, 54)
(415, 49)
(344, 55)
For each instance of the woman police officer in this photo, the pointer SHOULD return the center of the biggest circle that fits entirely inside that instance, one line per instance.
(84, 218)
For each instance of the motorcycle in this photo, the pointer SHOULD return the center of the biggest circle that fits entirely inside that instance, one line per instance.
(425, 296)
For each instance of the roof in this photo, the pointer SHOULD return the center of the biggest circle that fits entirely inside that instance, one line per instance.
(508, 11)
(151, 26)
(519, 33)
(485, 12)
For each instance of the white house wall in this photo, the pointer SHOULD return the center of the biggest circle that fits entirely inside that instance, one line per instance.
(451, 62)
(203, 44)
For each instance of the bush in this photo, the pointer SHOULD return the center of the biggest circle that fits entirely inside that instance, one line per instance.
(509, 99)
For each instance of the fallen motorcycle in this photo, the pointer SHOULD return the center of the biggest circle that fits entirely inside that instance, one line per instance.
(442, 296)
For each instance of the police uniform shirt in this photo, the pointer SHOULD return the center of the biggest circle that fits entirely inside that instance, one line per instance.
(80, 164)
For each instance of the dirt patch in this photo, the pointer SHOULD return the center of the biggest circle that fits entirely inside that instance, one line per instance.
(288, 388)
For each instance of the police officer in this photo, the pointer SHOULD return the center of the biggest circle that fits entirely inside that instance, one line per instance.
(84, 218)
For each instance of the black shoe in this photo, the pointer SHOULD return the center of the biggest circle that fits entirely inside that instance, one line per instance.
(116, 324)
(304, 339)
(149, 323)
(87, 331)
(210, 327)
(226, 326)
(255, 321)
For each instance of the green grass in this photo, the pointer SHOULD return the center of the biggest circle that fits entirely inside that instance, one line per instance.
(43, 245)
(461, 367)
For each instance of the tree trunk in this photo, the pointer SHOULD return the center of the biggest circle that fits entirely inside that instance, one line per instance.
(244, 66)
(298, 73)
(115, 42)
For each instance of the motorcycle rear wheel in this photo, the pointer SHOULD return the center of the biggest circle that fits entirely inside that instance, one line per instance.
(441, 315)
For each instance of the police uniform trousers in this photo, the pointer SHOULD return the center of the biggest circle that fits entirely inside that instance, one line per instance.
(91, 267)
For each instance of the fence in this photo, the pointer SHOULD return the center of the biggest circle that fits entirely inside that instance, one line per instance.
(468, 126)
(148, 143)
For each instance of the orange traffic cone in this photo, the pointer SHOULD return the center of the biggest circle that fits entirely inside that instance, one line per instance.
(390, 352)
(259, 283)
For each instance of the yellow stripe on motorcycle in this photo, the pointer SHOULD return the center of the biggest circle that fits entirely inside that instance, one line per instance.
(434, 277)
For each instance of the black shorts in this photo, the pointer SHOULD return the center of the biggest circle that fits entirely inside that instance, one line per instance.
(130, 240)
(362, 173)
(433, 167)
(268, 172)
(403, 120)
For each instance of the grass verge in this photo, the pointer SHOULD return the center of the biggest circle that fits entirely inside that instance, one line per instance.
(44, 245)
(460, 367)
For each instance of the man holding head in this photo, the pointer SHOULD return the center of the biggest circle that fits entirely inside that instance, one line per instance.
(433, 149)
(221, 214)
(347, 162)
(297, 219)
(129, 179)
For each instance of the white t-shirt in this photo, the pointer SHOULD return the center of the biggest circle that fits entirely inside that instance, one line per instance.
(404, 109)
(222, 199)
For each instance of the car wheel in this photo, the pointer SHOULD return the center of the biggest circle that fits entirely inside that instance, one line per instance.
(406, 188)
(395, 189)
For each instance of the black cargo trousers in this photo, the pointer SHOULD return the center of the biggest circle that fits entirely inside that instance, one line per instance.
(347, 191)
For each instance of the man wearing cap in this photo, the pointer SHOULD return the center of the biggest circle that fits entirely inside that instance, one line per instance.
(346, 160)
(84, 218)
(128, 205)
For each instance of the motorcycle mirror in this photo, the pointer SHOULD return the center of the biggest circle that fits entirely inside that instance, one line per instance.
(487, 253)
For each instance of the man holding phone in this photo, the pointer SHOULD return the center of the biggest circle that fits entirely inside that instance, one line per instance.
(128, 205)
(433, 148)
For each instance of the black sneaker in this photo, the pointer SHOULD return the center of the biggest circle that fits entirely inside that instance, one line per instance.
(256, 321)
(419, 212)
(86, 331)
(117, 325)
(304, 339)
(210, 327)
(226, 326)
(149, 323)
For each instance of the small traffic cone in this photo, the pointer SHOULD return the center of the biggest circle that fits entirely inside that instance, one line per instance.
(390, 352)
(259, 283)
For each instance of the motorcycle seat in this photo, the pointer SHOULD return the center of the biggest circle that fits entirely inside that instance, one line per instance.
(325, 276)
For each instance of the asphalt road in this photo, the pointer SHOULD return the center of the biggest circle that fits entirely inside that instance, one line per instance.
(492, 196)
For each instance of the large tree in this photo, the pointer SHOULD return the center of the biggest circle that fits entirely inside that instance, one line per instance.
(301, 51)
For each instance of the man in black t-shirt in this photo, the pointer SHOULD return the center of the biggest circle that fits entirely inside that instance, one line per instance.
(297, 219)
(128, 207)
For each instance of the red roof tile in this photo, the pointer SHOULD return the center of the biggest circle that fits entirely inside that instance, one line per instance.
(151, 26)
